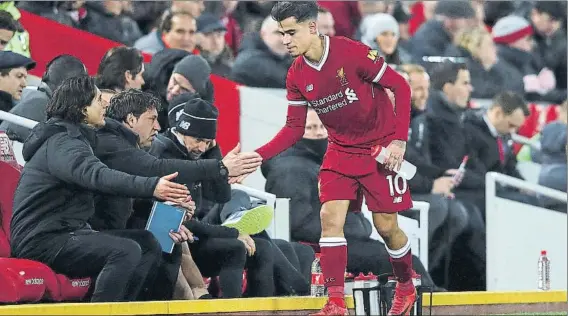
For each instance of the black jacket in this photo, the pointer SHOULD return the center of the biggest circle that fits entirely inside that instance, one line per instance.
(203, 192)
(431, 39)
(448, 140)
(55, 194)
(418, 153)
(33, 105)
(294, 174)
(485, 147)
(6, 102)
(117, 147)
(270, 70)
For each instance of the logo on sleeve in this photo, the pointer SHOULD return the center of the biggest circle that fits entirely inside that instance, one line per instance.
(309, 88)
(373, 55)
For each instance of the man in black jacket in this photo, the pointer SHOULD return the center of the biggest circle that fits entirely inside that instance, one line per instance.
(220, 251)
(55, 199)
(488, 132)
(442, 142)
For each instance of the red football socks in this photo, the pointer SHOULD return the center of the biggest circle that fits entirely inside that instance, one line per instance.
(333, 262)
(401, 261)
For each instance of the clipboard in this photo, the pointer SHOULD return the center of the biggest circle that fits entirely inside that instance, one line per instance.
(164, 218)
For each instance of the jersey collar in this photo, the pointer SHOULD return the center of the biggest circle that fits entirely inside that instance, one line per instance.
(319, 65)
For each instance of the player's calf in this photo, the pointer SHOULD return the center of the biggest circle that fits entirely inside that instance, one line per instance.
(397, 245)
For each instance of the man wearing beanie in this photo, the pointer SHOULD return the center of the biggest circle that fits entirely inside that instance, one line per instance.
(191, 74)
(193, 138)
(513, 36)
(435, 36)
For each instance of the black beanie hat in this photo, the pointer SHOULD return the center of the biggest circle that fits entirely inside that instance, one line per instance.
(198, 119)
(175, 106)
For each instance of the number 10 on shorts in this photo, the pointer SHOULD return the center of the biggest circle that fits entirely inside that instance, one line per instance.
(397, 184)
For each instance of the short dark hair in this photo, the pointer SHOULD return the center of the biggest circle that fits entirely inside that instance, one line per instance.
(300, 10)
(131, 101)
(61, 68)
(166, 22)
(7, 22)
(115, 63)
(556, 9)
(509, 102)
(445, 72)
(71, 98)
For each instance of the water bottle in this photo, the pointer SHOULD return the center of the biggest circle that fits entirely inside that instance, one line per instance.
(407, 170)
(317, 287)
(543, 272)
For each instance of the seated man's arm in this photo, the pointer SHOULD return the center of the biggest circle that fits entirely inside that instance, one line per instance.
(74, 162)
(216, 190)
(203, 230)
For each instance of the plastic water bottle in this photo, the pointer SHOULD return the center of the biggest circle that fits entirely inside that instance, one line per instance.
(317, 286)
(407, 170)
(543, 272)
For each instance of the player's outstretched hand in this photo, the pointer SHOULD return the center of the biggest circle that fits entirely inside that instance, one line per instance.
(238, 163)
(396, 151)
(170, 191)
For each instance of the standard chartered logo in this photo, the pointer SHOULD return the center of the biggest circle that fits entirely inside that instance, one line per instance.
(337, 100)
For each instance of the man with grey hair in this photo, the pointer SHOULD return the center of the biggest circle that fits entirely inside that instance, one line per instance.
(263, 60)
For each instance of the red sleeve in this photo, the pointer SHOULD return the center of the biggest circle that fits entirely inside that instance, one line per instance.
(373, 68)
(295, 122)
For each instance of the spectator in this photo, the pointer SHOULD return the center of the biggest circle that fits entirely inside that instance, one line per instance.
(54, 202)
(13, 73)
(293, 174)
(513, 36)
(69, 13)
(381, 32)
(193, 138)
(132, 126)
(176, 30)
(264, 53)
(147, 13)
(193, 7)
(20, 42)
(402, 16)
(107, 19)
(435, 36)
(553, 158)
(549, 21)
(191, 74)
(121, 68)
(157, 74)
(347, 15)
(34, 102)
(250, 14)
(7, 29)
(488, 132)
(326, 24)
(225, 11)
(447, 218)
(488, 74)
(445, 138)
(211, 42)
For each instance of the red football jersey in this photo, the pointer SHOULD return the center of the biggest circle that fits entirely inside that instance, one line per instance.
(347, 91)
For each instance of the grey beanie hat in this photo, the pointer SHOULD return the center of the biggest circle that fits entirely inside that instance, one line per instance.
(196, 70)
(455, 9)
(376, 24)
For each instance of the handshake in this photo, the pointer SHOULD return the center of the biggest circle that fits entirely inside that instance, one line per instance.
(240, 164)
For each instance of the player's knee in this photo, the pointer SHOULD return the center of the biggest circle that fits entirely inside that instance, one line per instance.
(386, 224)
(332, 216)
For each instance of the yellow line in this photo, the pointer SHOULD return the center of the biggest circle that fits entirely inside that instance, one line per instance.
(265, 304)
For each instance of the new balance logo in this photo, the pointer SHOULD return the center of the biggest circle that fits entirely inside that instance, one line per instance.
(351, 95)
(309, 88)
(184, 124)
(397, 199)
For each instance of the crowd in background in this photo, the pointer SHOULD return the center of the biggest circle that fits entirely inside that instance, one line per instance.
(451, 52)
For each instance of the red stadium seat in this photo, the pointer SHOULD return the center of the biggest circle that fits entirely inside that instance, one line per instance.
(26, 280)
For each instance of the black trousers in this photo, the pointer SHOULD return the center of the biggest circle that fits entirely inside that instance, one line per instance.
(122, 261)
(227, 258)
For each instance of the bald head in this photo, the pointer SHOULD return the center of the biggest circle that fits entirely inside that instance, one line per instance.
(271, 37)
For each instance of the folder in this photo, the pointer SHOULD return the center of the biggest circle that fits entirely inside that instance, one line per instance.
(164, 218)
